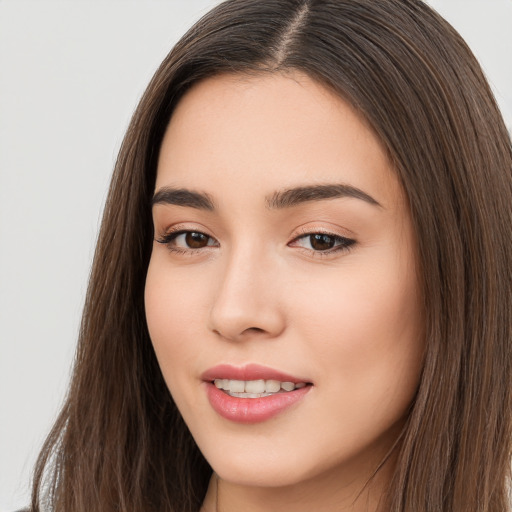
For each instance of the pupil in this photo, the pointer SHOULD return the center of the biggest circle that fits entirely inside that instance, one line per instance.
(196, 240)
(321, 242)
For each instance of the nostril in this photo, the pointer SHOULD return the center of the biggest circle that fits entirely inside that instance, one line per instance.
(254, 329)
(239, 336)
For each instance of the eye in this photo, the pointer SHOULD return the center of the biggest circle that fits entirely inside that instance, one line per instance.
(323, 242)
(193, 239)
(183, 240)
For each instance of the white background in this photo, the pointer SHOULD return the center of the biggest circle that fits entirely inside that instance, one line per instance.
(71, 73)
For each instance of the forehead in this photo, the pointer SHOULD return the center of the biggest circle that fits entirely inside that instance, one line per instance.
(265, 132)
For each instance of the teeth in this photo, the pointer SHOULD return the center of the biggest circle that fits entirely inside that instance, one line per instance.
(255, 388)
(248, 395)
(237, 386)
(288, 386)
(272, 386)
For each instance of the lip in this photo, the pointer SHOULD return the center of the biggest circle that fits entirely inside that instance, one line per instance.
(250, 410)
(248, 372)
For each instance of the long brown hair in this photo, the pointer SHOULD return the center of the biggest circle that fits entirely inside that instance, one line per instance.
(120, 443)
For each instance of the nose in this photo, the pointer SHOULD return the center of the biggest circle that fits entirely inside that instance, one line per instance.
(247, 299)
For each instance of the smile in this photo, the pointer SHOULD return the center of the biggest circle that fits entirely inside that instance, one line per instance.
(252, 393)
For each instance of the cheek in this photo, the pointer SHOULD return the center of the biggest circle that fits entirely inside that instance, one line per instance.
(172, 313)
(365, 336)
(359, 307)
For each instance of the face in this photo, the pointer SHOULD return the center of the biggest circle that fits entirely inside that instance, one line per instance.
(284, 259)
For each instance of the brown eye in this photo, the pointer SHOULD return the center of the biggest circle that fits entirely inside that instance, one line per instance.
(182, 241)
(196, 240)
(321, 242)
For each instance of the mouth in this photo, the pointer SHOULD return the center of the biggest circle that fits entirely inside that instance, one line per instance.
(256, 388)
(252, 393)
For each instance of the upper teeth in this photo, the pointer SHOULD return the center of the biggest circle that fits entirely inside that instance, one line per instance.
(256, 386)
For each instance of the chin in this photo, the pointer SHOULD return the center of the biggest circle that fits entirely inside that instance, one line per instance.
(269, 475)
(258, 465)
(282, 466)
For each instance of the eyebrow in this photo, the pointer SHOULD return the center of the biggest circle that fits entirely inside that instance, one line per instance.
(298, 195)
(183, 197)
(278, 200)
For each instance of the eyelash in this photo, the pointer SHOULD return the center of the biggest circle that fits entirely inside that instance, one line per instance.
(168, 238)
(343, 243)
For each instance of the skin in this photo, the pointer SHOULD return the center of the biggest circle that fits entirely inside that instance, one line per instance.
(349, 321)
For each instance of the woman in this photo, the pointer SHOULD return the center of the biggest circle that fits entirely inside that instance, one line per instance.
(301, 293)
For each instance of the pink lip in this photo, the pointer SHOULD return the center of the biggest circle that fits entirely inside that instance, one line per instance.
(250, 410)
(248, 372)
